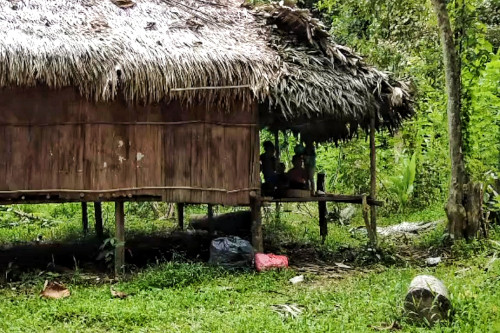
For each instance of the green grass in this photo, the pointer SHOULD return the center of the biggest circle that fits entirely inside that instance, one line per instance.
(194, 297)
(185, 297)
(65, 221)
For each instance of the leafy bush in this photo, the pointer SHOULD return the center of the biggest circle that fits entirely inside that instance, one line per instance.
(401, 185)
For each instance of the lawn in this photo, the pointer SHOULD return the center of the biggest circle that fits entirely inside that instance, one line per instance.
(190, 296)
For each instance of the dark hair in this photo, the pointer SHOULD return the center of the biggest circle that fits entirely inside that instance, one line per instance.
(268, 145)
(296, 157)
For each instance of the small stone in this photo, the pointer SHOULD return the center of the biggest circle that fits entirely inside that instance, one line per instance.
(297, 279)
(433, 261)
(342, 266)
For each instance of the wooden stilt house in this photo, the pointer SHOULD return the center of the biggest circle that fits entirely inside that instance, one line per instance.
(164, 99)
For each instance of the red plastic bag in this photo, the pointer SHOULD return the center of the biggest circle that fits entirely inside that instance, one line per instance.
(267, 261)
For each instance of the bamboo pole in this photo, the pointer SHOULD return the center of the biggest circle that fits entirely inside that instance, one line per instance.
(366, 218)
(45, 191)
(354, 199)
(373, 183)
(211, 88)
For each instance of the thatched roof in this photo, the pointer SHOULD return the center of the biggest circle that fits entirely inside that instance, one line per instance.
(278, 55)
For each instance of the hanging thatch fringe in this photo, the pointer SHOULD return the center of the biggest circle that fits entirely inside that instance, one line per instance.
(160, 50)
(96, 46)
(323, 81)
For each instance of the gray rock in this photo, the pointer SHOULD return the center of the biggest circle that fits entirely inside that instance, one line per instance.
(433, 261)
(346, 214)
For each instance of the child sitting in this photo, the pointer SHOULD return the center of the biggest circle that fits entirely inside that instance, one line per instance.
(297, 176)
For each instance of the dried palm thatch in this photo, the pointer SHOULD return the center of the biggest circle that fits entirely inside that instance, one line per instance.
(146, 50)
(325, 90)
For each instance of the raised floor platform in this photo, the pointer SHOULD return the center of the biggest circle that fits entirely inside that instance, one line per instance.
(355, 199)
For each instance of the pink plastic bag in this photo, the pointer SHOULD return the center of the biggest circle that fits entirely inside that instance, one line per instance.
(267, 261)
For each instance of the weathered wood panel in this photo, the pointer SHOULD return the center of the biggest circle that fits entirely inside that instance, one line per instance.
(4, 151)
(56, 145)
(197, 160)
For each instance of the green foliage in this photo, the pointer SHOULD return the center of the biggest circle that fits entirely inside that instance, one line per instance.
(401, 184)
(107, 250)
(485, 121)
(492, 197)
(402, 37)
(489, 13)
(347, 166)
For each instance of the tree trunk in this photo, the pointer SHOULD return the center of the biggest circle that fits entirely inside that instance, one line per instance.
(427, 300)
(458, 221)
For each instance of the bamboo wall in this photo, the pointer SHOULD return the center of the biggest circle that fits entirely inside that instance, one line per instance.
(57, 146)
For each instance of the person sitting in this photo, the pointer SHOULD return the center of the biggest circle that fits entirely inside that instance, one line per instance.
(310, 164)
(297, 176)
(282, 182)
(299, 149)
(268, 168)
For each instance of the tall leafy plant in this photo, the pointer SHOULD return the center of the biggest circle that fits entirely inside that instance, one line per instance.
(401, 185)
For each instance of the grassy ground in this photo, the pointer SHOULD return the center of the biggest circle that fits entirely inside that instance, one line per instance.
(191, 296)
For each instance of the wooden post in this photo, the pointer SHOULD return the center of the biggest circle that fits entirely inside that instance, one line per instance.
(210, 215)
(180, 216)
(98, 219)
(85, 218)
(366, 210)
(323, 226)
(257, 240)
(278, 161)
(170, 210)
(210, 211)
(120, 238)
(373, 181)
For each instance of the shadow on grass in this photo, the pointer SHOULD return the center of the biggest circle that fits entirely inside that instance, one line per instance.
(143, 250)
(88, 255)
